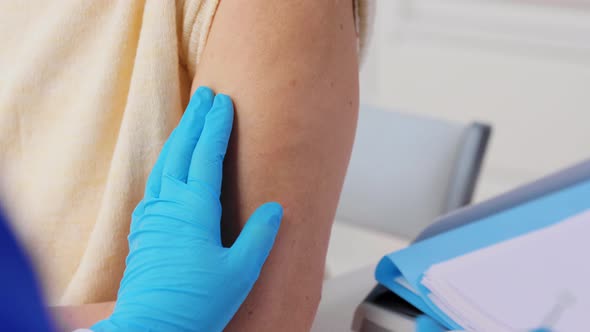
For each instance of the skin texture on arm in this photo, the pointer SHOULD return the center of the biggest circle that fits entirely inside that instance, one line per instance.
(81, 316)
(291, 68)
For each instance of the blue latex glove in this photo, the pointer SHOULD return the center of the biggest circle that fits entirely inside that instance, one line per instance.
(179, 277)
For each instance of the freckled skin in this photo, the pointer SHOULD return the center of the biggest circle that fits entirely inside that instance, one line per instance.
(291, 68)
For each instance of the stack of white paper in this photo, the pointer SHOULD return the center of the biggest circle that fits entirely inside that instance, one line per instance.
(541, 279)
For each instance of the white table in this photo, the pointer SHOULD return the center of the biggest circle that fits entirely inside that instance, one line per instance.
(357, 250)
(353, 247)
(340, 297)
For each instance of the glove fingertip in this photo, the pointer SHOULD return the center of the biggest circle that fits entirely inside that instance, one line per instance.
(258, 236)
(273, 212)
(206, 92)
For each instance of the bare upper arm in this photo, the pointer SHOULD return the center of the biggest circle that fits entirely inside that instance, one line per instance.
(291, 68)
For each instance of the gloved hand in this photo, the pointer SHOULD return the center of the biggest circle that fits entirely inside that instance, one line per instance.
(178, 276)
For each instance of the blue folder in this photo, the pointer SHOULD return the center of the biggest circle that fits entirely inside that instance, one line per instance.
(537, 205)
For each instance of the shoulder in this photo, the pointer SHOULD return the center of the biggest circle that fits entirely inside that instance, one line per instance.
(297, 22)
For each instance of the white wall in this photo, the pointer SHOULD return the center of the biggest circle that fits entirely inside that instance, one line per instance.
(524, 69)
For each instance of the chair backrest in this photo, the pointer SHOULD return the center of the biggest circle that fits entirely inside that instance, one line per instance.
(406, 170)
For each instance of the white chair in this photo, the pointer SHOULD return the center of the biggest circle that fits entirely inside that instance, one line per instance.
(405, 170)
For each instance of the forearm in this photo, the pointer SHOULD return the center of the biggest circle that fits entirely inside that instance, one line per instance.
(291, 67)
(81, 316)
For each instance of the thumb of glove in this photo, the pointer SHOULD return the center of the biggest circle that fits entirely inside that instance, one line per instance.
(257, 237)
